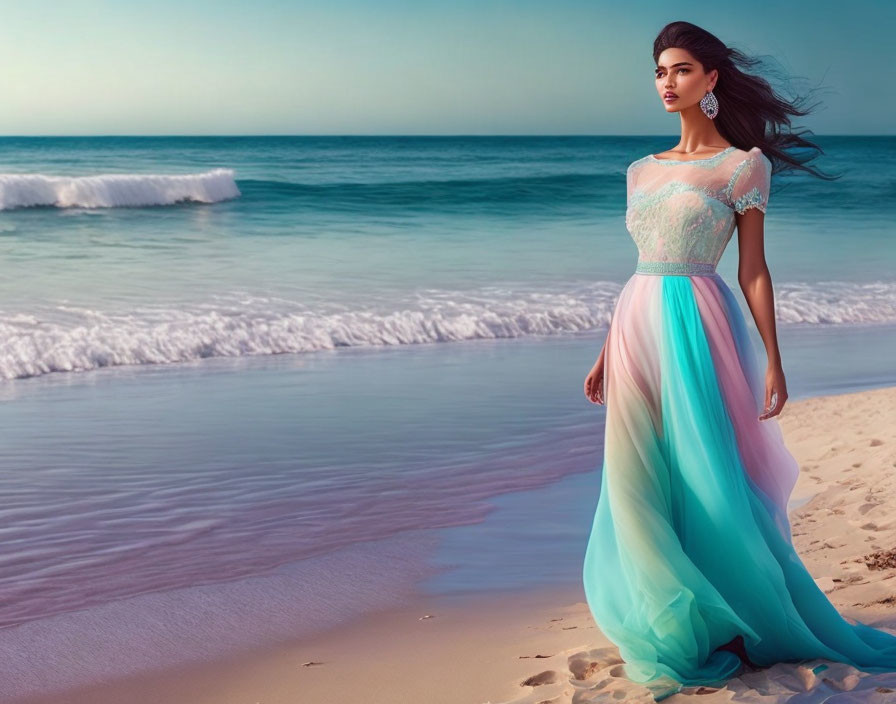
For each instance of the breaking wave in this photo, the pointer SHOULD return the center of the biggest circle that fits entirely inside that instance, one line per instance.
(64, 338)
(115, 190)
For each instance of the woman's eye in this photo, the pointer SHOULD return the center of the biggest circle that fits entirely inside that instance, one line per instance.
(658, 74)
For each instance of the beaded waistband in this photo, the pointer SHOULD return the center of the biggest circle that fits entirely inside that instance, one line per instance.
(645, 267)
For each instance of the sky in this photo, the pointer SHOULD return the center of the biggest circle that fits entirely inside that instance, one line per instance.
(414, 67)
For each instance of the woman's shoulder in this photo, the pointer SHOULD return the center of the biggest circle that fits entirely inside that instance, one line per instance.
(636, 162)
(753, 155)
(747, 166)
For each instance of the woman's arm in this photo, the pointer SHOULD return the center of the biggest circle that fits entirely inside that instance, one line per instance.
(756, 283)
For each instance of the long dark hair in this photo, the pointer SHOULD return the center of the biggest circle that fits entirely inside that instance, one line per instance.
(751, 114)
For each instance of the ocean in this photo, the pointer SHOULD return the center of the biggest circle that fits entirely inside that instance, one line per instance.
(253, 387)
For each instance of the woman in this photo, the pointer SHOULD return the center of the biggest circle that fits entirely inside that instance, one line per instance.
(689, 567)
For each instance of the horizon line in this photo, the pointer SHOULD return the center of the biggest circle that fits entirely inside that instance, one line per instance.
(430, 135)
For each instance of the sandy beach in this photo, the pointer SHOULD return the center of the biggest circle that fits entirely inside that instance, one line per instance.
(543, 646)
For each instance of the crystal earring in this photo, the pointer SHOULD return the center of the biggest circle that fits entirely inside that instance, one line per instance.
(710, 105)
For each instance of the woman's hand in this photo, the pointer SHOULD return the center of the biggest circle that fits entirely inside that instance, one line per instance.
(775, 391)
(594, 382)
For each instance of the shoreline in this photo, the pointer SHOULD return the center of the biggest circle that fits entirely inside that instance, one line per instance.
(541, 644)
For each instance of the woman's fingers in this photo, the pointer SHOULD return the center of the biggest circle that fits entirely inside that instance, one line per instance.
(774, 404)
(598, 388)
(767, 409)
(594, 387)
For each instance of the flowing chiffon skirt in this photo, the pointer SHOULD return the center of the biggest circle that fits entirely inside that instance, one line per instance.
(691, 542)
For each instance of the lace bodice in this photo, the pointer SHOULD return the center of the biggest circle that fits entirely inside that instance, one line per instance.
(681, 213)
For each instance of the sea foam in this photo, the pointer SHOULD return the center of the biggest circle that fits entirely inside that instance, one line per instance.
(60, 337)
(115, 190)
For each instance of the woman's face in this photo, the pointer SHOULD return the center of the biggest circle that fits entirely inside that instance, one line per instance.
(680, 73)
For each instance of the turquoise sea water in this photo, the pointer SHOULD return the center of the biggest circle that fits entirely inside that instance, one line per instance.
(236, 372)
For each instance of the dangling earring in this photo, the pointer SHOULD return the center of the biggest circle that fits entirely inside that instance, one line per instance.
(710, 105)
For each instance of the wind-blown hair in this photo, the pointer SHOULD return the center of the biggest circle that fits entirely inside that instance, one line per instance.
(751, 113)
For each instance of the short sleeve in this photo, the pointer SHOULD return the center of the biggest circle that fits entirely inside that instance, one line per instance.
(750, 182)
(630, 178)
(629, 181)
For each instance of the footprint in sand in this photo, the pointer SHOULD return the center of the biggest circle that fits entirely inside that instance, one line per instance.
(583, 668)
(546, 677)
(584, 663)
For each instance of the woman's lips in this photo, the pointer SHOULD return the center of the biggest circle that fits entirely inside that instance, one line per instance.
(670, 98)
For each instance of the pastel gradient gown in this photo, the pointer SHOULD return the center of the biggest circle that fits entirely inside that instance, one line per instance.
(691, 542)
